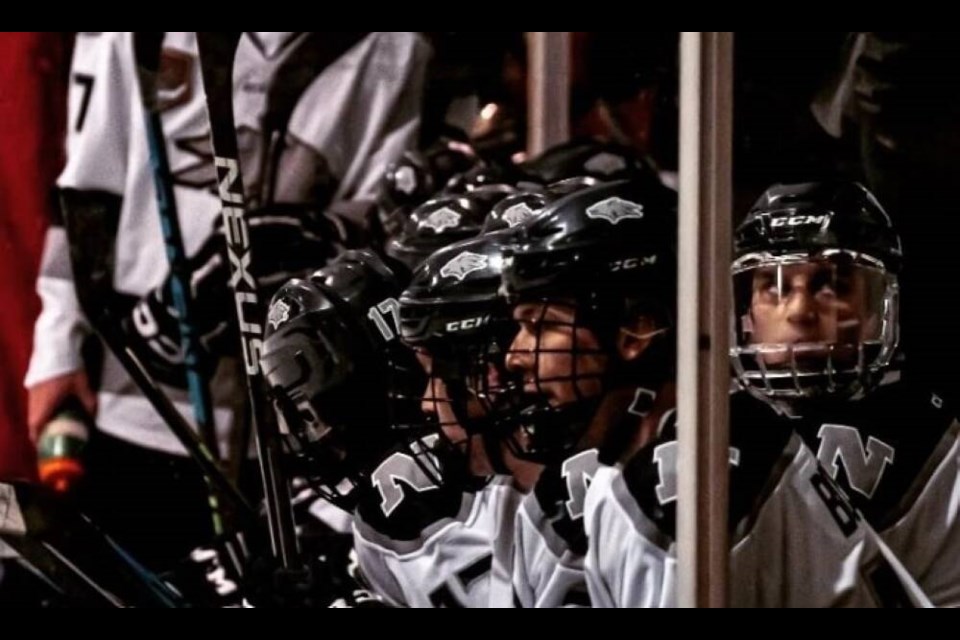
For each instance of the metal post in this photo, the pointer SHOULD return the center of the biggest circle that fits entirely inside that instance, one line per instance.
(548, 89)
(706, 103)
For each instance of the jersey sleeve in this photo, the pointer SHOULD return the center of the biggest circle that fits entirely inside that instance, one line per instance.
(97, 128)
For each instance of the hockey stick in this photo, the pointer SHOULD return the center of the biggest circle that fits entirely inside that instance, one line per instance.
(147, 49)
(75, 558)
(312, 54)
(217, 54)
(91, 219)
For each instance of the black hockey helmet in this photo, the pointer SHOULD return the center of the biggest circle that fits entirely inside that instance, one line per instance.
(816, 292)
(337, 371)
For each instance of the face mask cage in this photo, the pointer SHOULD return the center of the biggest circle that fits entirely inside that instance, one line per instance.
(812, 325)
(314, 454)
(468, 394)
(337, 411)
(562, 358)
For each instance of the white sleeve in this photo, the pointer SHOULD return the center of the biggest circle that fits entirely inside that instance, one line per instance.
(61, 327)
(396, 121)
(363, 111)
(927, 537)
(550, 537)
(98, 112)
(376, 572)
(628, 562)
(522, 585)
(450, 563)
(99, 108)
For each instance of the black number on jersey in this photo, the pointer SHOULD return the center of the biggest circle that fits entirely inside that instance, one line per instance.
(86, 83)
(442, 597)
(837, 504)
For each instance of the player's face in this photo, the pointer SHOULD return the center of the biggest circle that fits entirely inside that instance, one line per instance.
(436, 403)
(559, 360)
(809, 306)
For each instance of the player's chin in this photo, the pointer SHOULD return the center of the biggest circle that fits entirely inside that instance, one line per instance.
(562, 395)
(479, 463)
(815, 363)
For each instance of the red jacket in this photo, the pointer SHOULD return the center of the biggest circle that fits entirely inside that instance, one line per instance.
(32, 115)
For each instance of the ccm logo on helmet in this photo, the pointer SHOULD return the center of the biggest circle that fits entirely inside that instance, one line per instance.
(797, 221)
(632, 263)
(466, 325)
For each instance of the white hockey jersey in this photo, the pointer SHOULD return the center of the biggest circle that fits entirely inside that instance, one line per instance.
(421, 543)
(896, 453)
(550, 541)
(795, 539)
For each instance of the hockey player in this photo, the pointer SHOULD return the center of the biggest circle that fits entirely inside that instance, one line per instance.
(592, 344)
(350, 392)
(816, 291)
(134, 461)
(451, 316)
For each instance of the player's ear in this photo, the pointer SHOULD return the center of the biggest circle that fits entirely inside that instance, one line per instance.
(635, 337)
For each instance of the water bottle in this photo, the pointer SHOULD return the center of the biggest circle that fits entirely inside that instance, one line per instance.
(61, 445)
